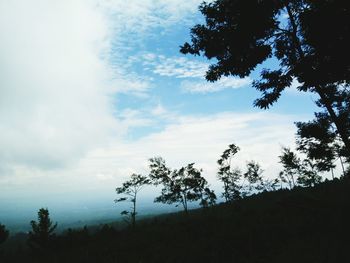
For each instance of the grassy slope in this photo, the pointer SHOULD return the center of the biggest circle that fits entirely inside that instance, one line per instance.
(303, 225)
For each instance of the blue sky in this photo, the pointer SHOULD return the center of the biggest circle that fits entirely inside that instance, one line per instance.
(91, 89)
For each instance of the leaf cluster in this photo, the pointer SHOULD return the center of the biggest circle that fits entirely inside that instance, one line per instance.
(237, 184)
(295, 170)
(310, 39)
(180, 186)
(132, 187)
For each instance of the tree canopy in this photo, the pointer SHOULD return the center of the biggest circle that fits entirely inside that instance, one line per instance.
(130, 189)
(304, 172)
(42, 230)
(229, 176)
(180, 186)
(310, 40)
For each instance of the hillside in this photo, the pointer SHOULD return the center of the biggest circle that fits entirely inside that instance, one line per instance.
(301, 225)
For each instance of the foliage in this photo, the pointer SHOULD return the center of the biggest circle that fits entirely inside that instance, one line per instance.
(229, 176)
(42, 232)
(309, 175)
(291, 166)
(180, 186)
(304, 172)
(253, 177)
(4, 233)
(310, 40)
(130, 189)
(319, 139)
(237, 184)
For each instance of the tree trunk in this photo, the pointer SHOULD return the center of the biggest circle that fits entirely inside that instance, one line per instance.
(185, 204)
(226, 191)
(344, 134)
(342, 166)
(332, 173)
(133, 217)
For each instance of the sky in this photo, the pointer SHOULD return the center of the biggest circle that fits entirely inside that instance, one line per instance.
(91, 89)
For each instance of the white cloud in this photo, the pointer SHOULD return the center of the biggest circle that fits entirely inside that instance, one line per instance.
(137, 16)
(184, 68)
(209, 87)
(132, 85)
(57, 77)
(178, 67)
(159, 110)
(175, 67)
(130, 118)
(55, 82)
(199, 139)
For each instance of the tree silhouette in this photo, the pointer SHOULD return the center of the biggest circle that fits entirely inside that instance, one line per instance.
(254, 178)
(180, 186)
(310, 40)
(130, 189)
(304, 172)
(309, 174)
(4, 233)
(317, 140)
(229, 176)
(321, 143)
(42, 231)
(291, 166)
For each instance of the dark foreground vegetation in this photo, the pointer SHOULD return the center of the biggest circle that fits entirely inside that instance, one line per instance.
(299, 225)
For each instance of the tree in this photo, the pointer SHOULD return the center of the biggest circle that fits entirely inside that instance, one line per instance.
(229, 176)
(321, 143)
(310, 40)
(309, 175)
(180, 186)
(236, 183)
(4, 233)
(131, 188)
(42, 231)
(306, 171)
(254, 178)
(318, 141)
(291, 166)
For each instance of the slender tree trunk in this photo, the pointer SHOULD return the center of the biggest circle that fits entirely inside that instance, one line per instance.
(344, 134)
(292, 176)
(133, 218)
(294, 32)
(342, 165)
(226, 191)
(332, 173)
(184, 203)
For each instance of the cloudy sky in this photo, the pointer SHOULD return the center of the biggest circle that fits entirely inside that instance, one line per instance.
(89, 90)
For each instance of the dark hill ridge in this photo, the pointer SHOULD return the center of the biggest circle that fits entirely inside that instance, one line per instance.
(302, 225)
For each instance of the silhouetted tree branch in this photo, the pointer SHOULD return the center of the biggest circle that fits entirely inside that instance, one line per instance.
(180, 186)
(130, 189)
(310, 40)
